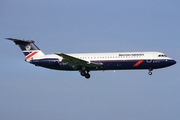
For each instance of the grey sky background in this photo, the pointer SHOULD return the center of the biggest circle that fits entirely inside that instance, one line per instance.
(33, 93)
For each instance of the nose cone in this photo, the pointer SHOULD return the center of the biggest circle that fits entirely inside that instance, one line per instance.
(172, 62)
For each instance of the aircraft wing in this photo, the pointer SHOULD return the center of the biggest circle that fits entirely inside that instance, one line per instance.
(73, 61)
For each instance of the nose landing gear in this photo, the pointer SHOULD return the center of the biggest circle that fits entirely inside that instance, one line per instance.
(150, 71)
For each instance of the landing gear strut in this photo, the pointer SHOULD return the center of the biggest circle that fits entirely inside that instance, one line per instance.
(150, 71)
(85, 74)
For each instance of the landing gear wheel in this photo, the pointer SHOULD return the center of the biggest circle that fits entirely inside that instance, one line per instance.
(150, 73)
(83, 73)
(87, 76)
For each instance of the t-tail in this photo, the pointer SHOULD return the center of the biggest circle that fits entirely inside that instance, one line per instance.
(28, 47)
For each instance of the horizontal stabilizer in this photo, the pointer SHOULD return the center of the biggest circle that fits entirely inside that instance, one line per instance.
(18, 41)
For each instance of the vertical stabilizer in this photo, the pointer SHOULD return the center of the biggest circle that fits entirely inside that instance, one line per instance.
(28, 47)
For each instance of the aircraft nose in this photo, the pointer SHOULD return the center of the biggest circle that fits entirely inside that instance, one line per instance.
(173, 62)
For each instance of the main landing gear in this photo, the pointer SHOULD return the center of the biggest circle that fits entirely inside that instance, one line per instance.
(85, 74)
(150, 71)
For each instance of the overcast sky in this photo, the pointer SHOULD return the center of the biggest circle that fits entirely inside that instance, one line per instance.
(74, 26)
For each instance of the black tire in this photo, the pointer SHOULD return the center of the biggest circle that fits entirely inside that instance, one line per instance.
(87, 75)
(150, 73)
(83, 73)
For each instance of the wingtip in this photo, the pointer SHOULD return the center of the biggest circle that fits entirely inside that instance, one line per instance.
(57, 53)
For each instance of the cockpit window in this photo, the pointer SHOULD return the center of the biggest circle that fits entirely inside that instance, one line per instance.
(162, 56)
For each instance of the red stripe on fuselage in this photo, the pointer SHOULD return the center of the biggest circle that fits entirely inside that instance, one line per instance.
(31, 55)
(138, 63)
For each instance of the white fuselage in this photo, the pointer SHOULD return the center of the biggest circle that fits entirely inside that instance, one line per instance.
(112, 56)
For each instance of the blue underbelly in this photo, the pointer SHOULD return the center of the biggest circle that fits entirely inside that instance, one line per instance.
(107, 65)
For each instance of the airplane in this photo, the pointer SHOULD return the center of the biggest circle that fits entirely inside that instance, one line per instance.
(86, 62)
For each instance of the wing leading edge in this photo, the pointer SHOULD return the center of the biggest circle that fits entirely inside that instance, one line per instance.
(73, 61)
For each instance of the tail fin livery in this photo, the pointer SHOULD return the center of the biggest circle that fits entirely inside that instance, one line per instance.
(28, 47)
